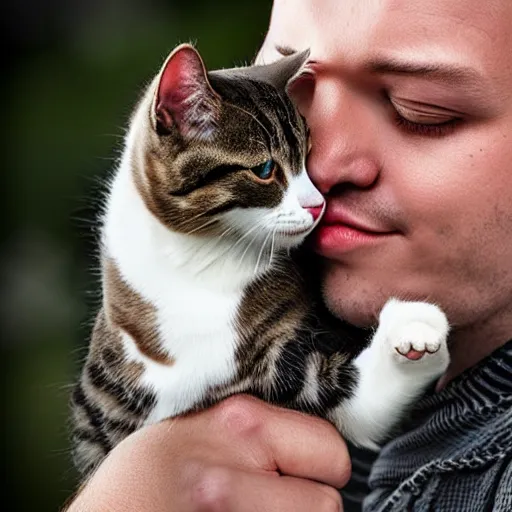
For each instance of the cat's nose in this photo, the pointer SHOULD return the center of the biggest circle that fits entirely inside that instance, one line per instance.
(316, 211)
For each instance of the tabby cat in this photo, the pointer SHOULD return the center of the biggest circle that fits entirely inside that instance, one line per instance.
(204, 294)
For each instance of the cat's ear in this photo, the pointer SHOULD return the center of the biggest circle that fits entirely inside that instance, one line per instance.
(184, 98)
(281, 72)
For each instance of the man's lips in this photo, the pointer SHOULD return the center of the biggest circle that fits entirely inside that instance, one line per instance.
(340, 231)
(336, 216)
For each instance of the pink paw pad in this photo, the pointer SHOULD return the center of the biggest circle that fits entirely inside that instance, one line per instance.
(415, 355)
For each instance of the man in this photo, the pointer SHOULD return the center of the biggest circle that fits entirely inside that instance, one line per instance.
(410, 110)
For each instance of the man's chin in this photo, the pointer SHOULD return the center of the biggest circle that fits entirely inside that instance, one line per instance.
(355, 300)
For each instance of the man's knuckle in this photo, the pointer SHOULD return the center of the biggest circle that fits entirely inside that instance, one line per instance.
(211, 490)
(240, 416)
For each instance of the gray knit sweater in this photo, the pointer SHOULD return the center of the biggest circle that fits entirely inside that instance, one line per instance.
(454, 452)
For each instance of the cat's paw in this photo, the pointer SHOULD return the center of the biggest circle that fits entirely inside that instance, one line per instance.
(415, 335)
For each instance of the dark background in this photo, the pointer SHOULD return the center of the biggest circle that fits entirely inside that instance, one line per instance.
(72, 72)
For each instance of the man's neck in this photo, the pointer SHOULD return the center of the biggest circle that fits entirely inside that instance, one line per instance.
(471, 345)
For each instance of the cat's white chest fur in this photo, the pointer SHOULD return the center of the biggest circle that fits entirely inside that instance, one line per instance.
(203, 347)
(195, 318)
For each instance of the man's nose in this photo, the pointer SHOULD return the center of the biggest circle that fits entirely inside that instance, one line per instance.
(344, 139)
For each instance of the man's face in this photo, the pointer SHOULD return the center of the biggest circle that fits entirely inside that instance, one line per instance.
(411, 122)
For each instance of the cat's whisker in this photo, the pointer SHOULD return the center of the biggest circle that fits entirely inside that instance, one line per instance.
(220, 255)
(246, 234)
(186, 222)
(263, 245)
(246, 249)
(272, 246)
(208, 223)
(248, 246)
(205, 267)
(208, 264)
(230, 248)
(224, 233)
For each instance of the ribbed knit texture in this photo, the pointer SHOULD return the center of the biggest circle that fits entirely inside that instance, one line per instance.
(455, 452)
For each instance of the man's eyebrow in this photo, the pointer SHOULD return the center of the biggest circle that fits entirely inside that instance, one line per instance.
(285, 50)
(453, 74)
(450, 73)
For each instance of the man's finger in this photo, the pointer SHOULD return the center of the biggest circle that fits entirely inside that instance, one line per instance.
(234, 490)
(286, 441)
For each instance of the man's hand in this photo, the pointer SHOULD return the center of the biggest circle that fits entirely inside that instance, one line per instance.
(240, 455)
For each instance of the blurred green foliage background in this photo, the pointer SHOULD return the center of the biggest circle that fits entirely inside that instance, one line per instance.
(75, 69)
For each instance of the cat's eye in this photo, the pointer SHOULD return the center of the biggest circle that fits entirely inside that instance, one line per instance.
(265, 170)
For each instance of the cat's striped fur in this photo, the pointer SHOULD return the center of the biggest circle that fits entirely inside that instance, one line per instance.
(201, 298)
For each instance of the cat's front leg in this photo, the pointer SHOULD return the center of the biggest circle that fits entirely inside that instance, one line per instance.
(408, 352)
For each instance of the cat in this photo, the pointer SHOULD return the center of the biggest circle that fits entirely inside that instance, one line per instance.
(205, 293)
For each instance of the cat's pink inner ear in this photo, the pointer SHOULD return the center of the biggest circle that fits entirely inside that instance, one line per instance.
(185, 99)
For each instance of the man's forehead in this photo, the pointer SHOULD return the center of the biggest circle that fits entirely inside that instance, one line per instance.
(461, 24)
(473, 30)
